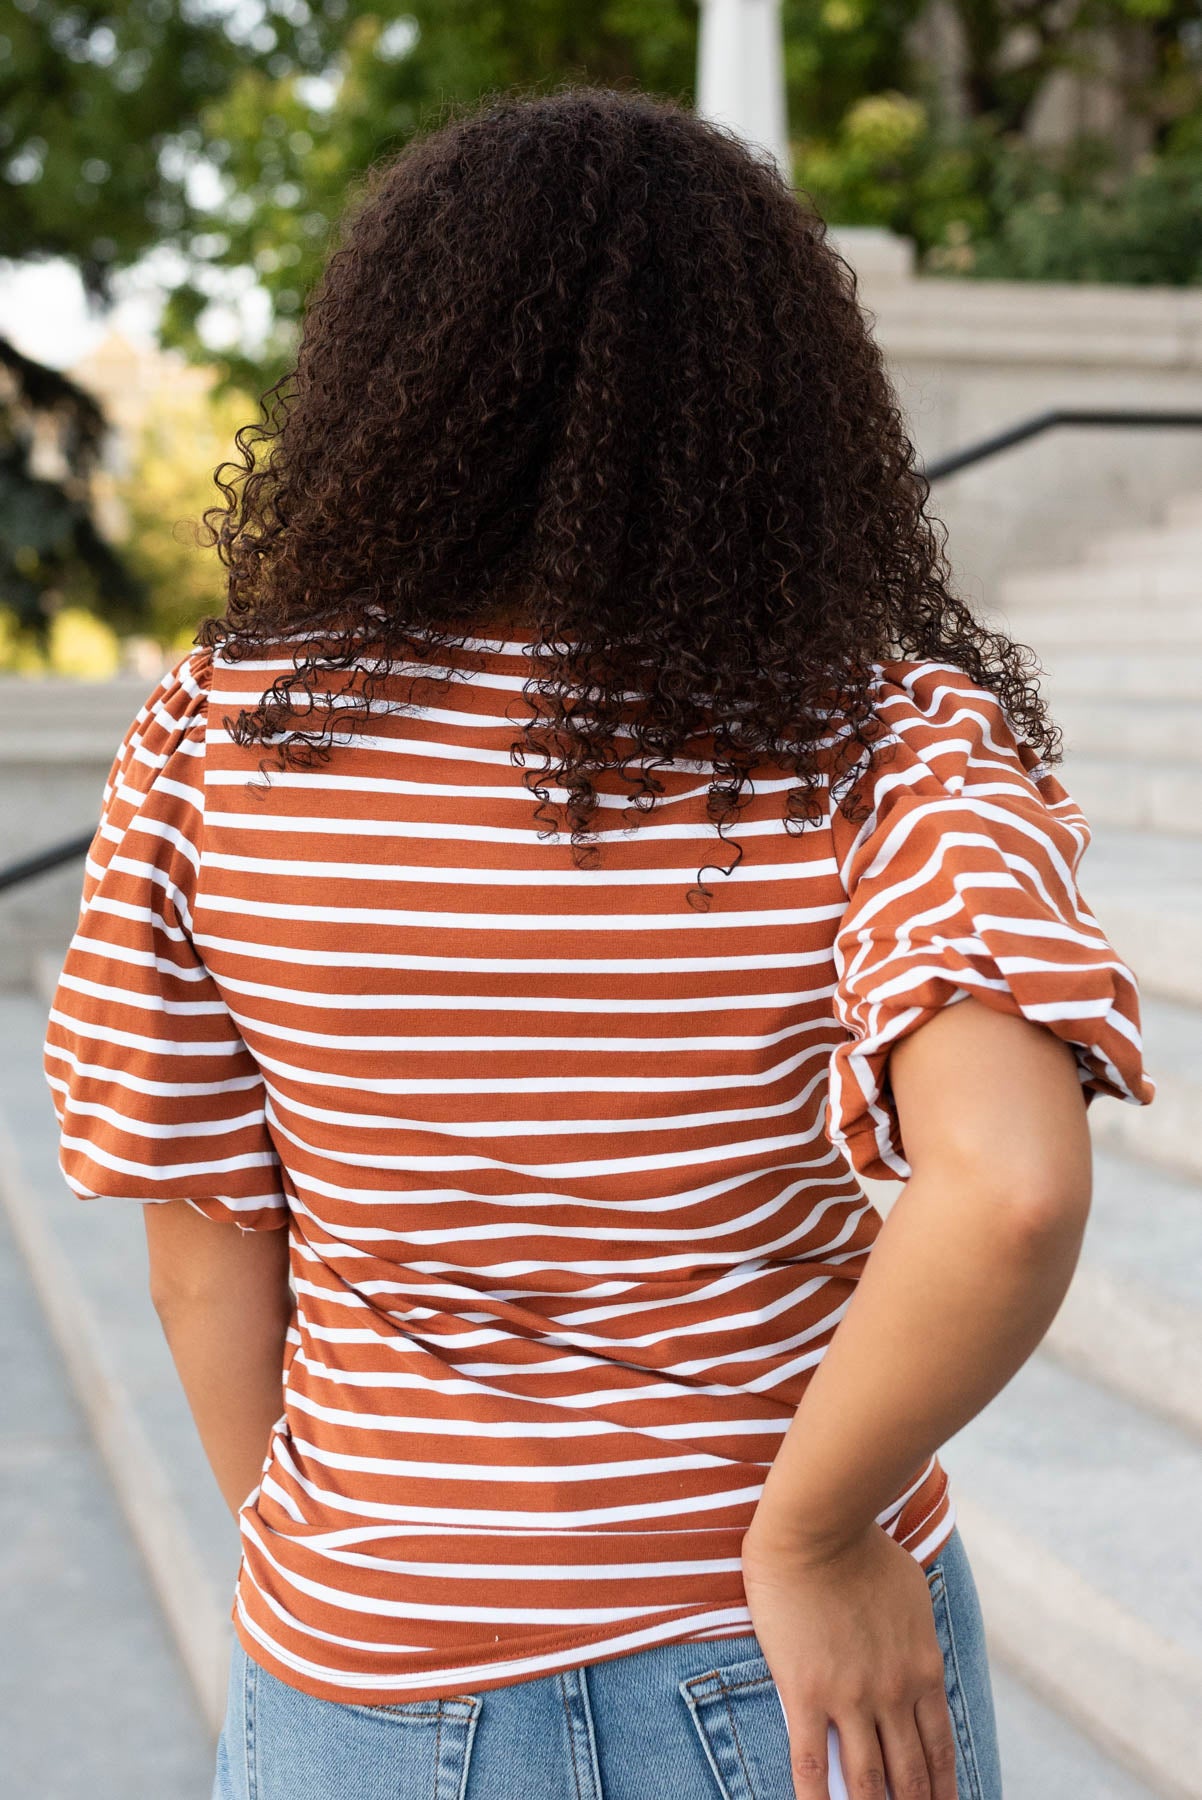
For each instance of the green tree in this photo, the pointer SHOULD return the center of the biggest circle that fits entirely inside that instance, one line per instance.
(50, 438)
(942, 147)
(185, 433)
(93, 99)
(228, 138)
(285, 147)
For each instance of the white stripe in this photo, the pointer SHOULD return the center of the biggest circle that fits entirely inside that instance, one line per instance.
(614, 1165)
(481, 1430)
(499, 1476)
(489, 1043)
(402, 961)
(428, 831)
(500, 792)
(400, 1379)
(445, 1197)
(482, 1518)
(444, 876)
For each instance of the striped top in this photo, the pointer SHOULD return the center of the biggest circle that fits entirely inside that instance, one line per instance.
(570, 1169)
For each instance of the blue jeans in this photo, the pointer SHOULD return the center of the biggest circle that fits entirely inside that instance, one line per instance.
(699, 1721)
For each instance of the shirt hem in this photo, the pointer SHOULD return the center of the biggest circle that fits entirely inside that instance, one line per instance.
(571, 1649)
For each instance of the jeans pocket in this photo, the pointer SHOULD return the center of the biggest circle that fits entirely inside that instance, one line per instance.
(302, 1748)
(739, 1718)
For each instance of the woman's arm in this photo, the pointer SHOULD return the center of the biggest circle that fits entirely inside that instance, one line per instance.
(967, 1272)
(964, 1278)
(223, 1298)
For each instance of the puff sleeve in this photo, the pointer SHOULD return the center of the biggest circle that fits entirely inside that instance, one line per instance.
(962, 881)
(156, 1094)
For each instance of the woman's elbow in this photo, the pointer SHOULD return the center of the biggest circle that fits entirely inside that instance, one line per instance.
(1038, 1198)
(174, 1290)
(1053, 1207)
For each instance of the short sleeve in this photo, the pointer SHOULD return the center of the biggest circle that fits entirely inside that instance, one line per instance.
(156, 1094)
(962, 880)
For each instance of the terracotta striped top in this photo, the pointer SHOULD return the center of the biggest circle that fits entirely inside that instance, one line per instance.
(569, 1168)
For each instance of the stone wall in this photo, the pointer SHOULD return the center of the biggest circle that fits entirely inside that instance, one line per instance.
(970, 358)
(57, 743)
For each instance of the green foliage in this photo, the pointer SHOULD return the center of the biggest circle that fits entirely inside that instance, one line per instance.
(979, 204)
(49, 542)
(288, 148)
(233, 136)
(185, 434)
(91, 100)
(228, 138)
(837, 52)
(951, 163)
(1145, 227)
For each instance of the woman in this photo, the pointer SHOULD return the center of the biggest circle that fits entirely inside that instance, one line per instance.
(501, 1071)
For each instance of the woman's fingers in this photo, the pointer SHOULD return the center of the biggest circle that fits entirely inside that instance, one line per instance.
(906, 1766)
(903, 1755)
(808, 1764)
(935, 1727)
(863, 1760)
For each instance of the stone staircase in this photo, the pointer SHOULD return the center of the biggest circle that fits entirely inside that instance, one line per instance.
(1089, 1565)
(1079, 1488)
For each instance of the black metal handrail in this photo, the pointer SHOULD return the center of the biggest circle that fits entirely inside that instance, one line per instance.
(44, 860)
(1140, 418)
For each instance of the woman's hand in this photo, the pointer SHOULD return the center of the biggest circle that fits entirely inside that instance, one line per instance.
(849, 1636)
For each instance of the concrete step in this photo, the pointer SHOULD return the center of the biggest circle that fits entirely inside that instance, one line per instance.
(1181, 544)
(88, 1264)
(125, 1373)
(1145, 888)
(1064, 628)
(1171, 589)
(1119, 672)
(1132, 1319)
(55, 720)
(1044, 1757)
(1079, 1510)
(1136, 793)
(1166, 1132)
(1104, 726)
(96, 1704)
(1185, 511)
(1145, 1223)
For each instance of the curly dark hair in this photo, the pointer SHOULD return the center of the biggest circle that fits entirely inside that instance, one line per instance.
(582, 362)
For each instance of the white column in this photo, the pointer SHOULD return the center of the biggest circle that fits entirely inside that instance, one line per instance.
(740, 73)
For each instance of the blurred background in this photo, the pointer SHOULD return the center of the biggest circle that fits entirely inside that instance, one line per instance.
(1018, 185)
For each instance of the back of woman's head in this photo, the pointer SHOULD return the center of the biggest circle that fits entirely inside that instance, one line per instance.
(583, 363)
